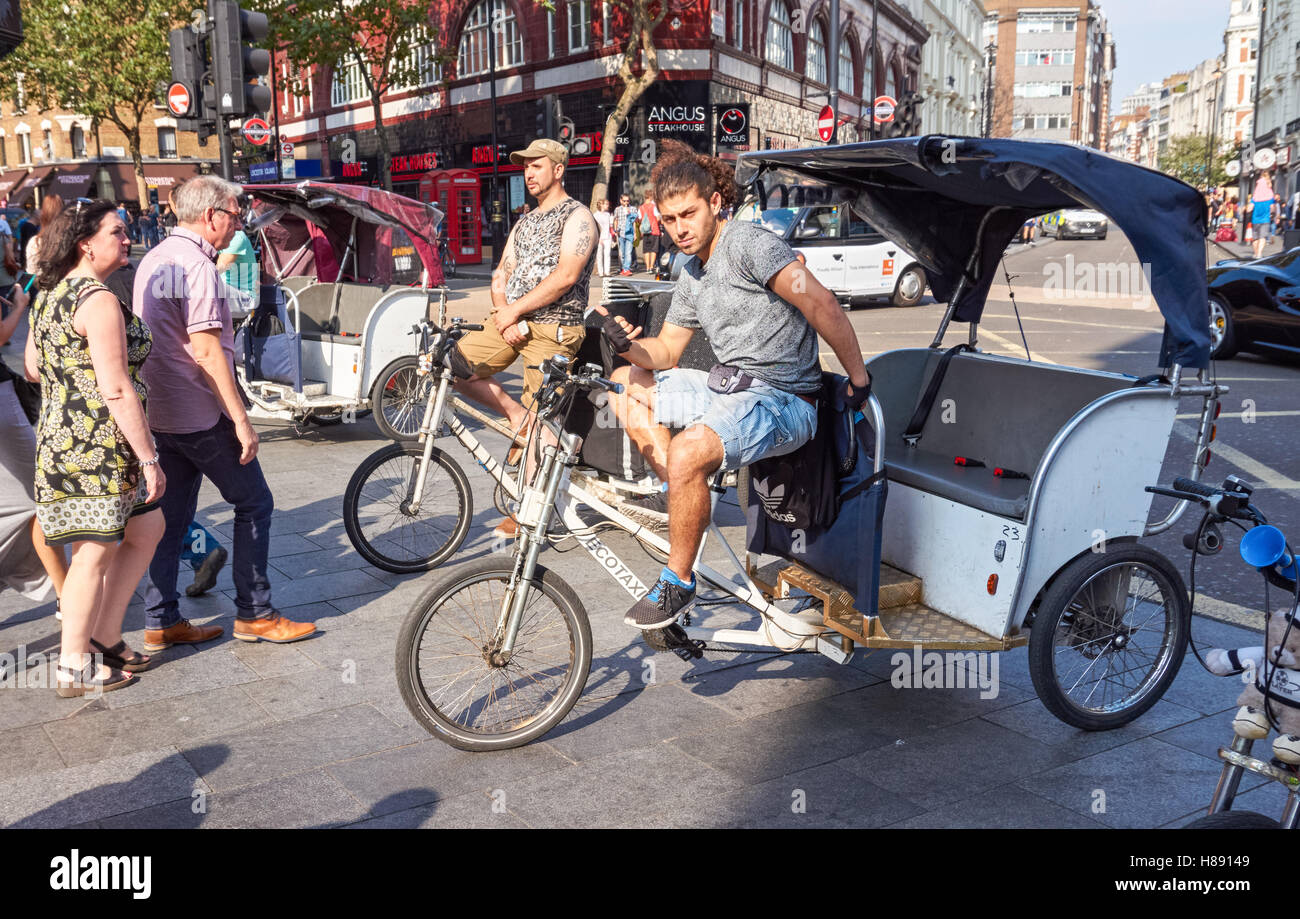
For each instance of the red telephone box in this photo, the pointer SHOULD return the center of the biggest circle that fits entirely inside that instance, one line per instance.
(457, 192)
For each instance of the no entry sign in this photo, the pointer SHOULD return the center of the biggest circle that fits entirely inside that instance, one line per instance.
(178, 99)
(256, 131)
(826, 124)
(882, 110)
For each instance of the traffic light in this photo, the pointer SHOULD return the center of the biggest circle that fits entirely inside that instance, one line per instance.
(188, 65)
(236, 63)
(566, 132)
(549, 115)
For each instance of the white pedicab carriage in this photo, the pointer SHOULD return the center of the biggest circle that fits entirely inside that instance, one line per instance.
(964, 560)
(352, 270)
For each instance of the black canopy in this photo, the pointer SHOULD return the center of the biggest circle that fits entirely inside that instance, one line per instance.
(946, 199)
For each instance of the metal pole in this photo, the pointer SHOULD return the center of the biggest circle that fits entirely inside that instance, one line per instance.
(497, 218)
(227, 151)
(833, 71)
(275, 116)
(870, 94)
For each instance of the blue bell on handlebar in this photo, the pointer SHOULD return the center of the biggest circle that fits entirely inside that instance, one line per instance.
(1265, 546)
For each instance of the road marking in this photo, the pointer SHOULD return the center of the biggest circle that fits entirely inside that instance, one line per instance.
(1015, 346)
(1265, 476)
(1094, 325)
(1223, 611)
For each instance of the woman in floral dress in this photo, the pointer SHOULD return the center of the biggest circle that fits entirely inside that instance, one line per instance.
(97, 475)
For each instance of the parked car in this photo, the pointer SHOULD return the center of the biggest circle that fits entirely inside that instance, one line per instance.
(843, 252)
(1255, 306)
(1078, 223)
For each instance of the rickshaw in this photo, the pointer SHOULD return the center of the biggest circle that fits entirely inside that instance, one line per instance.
(996, 501)
(348, 271)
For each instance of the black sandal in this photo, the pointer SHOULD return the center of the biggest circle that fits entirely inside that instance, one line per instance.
(136, 663)
(80, 685)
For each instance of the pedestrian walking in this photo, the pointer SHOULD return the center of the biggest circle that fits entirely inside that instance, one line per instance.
(98, 480)
(51, 207)
(237, 264)
(539, 295)
(199, 421)
(1261, 209)
(649, 231)
(605, 235)
(9, 266)
(625, 231)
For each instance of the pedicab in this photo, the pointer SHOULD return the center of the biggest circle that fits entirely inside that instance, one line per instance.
(995, 502)
(348, 271)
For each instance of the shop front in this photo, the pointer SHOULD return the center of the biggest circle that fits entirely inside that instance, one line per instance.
(25, 190)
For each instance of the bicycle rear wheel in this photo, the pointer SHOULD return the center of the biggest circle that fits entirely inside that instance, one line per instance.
(379, 520)
(453, 678)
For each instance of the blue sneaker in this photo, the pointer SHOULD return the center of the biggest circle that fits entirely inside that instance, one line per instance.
(667, 600)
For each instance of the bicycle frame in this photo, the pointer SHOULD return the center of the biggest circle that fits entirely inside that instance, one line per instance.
(556, 492)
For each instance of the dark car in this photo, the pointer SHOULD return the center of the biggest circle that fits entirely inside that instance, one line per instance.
(1255, 306)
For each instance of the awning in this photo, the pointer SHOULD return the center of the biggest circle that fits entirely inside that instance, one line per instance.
(25, 189)
(166, 176)
(9, 180)
(70, 182)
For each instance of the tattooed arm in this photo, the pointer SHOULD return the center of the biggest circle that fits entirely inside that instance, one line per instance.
(577, 244)
(501, 276)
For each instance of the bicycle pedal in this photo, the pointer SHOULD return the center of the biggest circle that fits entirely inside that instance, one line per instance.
(680, 644)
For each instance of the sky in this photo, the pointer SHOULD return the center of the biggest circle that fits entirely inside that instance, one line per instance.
(1154, 38)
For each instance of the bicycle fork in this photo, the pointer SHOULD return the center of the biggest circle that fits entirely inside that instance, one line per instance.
(428, 427)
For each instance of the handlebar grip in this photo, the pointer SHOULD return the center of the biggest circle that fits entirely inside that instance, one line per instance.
(1195, 488)
(467, 327)
(616, 388)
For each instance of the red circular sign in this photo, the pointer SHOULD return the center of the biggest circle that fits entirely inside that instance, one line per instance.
(882, 110)
(826, 123)
(256, 131)
(178, 99)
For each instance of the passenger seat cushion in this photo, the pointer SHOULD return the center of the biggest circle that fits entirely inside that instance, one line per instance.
(975, 486)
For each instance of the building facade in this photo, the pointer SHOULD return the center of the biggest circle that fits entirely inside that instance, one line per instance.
(1277, 105)
(1241, 60)
(1052, 70)
(68, 154)
(771, 56)
(953, 67)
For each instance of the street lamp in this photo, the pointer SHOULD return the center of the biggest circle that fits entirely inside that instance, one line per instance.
(1214, 99)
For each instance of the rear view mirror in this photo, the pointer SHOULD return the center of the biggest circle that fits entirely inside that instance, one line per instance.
(807, 232)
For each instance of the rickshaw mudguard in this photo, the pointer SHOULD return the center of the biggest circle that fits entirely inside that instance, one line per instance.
(388, 333)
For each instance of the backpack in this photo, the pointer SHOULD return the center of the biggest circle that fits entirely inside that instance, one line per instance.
(800, 490)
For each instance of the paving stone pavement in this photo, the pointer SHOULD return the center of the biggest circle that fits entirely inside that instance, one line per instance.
(315, 734)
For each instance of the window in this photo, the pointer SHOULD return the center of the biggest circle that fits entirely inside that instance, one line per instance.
(1040, 90)
(815, 66)
(1063, 21)
(821, 223)
(476, 41)
(869, 74)
(349, 84)
(780, 41)
(550, 35)
(4, 152)
(990, 28)
(422, 60)
(1051, 58)
(579, 24)
(1048, 122)
(738, 23)
(167, 143)
(846, 66)
(24, 149)
(605, 34)
(891, 83)
(48, 144)
(78, 140)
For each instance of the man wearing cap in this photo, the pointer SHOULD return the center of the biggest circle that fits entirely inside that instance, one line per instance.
(539, 293)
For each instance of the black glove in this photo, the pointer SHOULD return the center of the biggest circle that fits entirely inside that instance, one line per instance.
(615, 334)
(855, 398)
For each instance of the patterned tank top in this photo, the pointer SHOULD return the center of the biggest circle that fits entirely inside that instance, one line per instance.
(537, 254)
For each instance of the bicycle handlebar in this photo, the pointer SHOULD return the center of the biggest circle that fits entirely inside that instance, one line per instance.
(1196, 488)
(1221, 502)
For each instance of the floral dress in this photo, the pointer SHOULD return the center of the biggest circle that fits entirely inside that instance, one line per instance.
(88, 479)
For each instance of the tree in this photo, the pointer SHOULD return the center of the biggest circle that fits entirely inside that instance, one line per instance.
(391, 42)
(642, 17)
(106, 61)
(1189, 158)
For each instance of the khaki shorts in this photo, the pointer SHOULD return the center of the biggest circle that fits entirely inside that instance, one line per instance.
(488, 353)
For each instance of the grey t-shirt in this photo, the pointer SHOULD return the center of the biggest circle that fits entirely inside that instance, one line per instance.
(748, 326)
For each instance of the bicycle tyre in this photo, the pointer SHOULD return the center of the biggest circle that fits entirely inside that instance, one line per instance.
(445, 599)
(1234, 820)
(1065, 622)
(398, 397)
(373, 543)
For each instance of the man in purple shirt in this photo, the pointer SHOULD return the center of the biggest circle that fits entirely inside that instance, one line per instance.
(198, 418)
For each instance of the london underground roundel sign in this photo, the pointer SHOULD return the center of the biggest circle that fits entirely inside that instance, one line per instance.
(257, 131)
(882, 110)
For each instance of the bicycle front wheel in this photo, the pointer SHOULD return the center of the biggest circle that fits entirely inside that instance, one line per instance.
(458, 685)
(380, 522)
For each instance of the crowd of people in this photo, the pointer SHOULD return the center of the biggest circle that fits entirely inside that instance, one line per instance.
(100, 472)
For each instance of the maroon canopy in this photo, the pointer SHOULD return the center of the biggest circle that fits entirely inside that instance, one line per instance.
(390, 229)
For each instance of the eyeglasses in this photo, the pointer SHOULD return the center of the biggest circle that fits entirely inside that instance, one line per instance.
(234, 215)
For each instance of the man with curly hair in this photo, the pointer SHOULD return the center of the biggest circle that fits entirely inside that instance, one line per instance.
(762, 311)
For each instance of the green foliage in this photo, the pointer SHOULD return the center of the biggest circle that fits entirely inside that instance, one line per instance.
(1187, 158)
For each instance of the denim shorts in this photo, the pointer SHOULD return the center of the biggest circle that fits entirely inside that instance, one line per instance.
(759, 422)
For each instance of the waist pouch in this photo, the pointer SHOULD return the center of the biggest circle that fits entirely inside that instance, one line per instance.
(726, 380)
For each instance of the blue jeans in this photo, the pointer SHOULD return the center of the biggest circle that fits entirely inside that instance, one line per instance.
(625, 251)
(198, 544)
(186, 459)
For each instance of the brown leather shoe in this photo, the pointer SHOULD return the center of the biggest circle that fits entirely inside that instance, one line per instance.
(506, 529)
(182, 633)
(276, 629)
